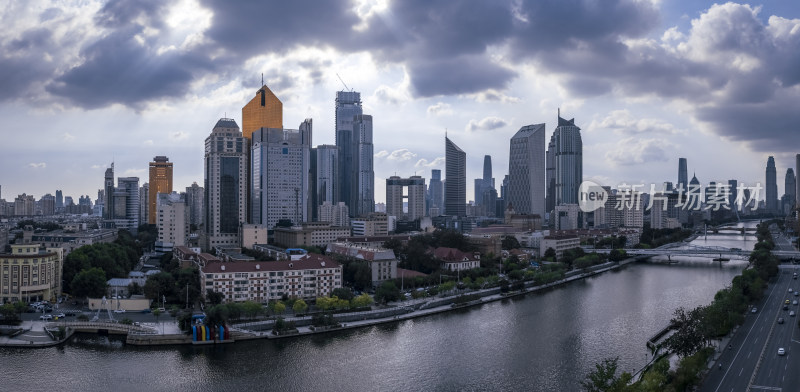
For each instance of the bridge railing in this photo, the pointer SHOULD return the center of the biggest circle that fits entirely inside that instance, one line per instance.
(130, 328)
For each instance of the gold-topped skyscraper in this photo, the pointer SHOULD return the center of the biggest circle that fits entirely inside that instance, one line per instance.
(265, 110)
(160, 182)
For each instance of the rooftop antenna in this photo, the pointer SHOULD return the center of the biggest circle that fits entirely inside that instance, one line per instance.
(559, 112)
(262, 78)
(345, 84)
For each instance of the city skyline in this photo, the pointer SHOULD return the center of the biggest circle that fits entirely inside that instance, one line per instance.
(632, 131)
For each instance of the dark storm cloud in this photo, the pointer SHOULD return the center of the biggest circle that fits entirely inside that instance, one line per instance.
(117, 13)
(120, 69)
(459, 75)
(771, 127)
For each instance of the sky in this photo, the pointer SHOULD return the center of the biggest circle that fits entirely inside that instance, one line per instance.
(84, 83)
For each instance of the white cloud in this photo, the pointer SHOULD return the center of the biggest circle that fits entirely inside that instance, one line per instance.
(391, 95)
(440, 109)
(381, 154)
(402, 154)
(148, 142)
(492, 95)
(623, 122)
(96, 167)
(637, 151)
(179, 135)
(424, 163)
(487, 124)
(134, 172)
(68, 137)
(40, 165)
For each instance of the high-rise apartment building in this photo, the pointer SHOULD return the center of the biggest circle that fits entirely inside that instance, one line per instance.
(683, 174)
(160, 182)
(225, 184)
(771, 189)
(400, 191)
(526, 171)
(566, 159)
(337, 214)
(280, 160)
(194, 202)
(126, 204)
(24, 205)
(48, 204)
(144, 202)
(455, 194)
(172, 219)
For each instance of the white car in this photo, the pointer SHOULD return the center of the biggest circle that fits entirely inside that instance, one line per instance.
(781, 351)
(754, 310)
(46, 317)
(119, 311)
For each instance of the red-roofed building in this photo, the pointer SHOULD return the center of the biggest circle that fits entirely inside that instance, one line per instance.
(310, 277)
(455, 260)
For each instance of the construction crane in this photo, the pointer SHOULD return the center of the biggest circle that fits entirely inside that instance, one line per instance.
(345, 85)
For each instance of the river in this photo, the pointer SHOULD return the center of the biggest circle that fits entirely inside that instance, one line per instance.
(545, 341)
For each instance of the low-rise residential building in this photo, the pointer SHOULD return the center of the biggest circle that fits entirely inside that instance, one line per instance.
(455, 260)
(375, 241)
(186, 256)
(382, 262)
(559, 243)
(309, 234)
(376, 223)
(70, 240)
(309, 277)
(31, 273)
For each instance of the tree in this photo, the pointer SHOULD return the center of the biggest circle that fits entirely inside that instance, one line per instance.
(362, 301)
(604, 377)
(510, 242)
(213, 297)
(299, 306)
(89, 283)
(252, 309)
(617, 254)
(135, 288)
(343, 293)
(689, 337)
(11, 313)
(387, 292)
(159, 286)
(550, 253)
(280, 307)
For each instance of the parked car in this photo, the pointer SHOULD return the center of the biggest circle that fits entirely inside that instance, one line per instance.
(60, 315)
(754, 310)
(119, 310)
(46, 317)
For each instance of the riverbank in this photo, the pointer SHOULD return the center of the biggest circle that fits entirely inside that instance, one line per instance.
(392, 313)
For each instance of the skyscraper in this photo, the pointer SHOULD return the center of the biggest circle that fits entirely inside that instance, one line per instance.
(683, 174)
(348, 105)
(526, 171)
(790, 187)
(280, 175)
(160, 182)
(435, 193)
(126, 204)
(797, 183)
(484, 184)
(364, 186)
(566, 161)
(225, 184)
(326, 171)
(771, 190)
(108, 186)
(59, 199)
(455, 194)
(265, 110)
(144, 202)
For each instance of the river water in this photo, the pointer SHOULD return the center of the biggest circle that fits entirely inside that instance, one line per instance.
(545, 341)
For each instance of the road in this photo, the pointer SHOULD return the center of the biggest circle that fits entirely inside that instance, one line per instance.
(753, 362)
